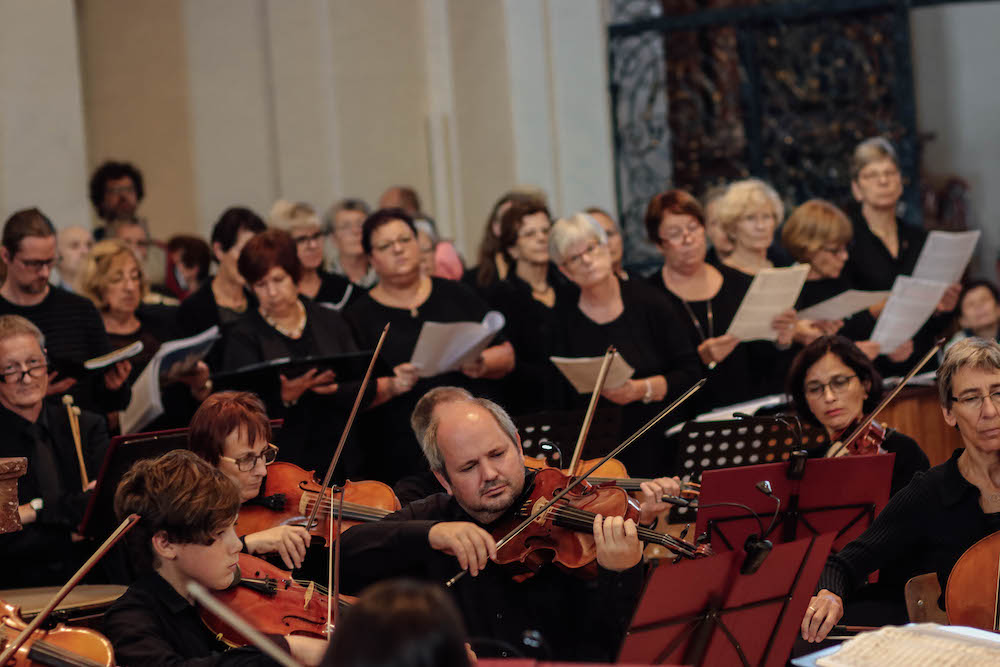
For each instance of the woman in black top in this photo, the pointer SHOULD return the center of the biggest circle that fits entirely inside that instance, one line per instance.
(527, 297)
(640, 323)
(942, 512)
(302, 222)
(224, 298)
(406, 300)
(315, 404)
(706, 298)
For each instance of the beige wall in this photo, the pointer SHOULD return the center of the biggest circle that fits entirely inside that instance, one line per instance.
(136, 102)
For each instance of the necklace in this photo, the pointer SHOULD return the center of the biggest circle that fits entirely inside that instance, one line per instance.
(697, 324)
(291, 332)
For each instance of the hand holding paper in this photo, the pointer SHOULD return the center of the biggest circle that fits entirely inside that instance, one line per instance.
(772, 292)
(443, 347)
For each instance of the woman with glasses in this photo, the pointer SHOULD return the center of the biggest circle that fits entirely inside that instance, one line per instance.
(930, 523)
(232, 432)
(834, 385)
(113, 279)
(406, 299)
(639, 322)
(315, 404)
(301, 221)
(705, 298)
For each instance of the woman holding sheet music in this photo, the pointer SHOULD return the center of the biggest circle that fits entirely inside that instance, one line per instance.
(315, 404)
(406, 300)
(639, 322)
(705, 298)
(113, 279)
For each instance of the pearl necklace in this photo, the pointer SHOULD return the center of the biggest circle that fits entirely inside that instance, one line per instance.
(293, 332)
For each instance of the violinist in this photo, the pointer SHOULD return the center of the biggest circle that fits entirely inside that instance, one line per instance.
(51, 496)
(232, 432)
(473, 449)
(833, 384)
(928, 525)
(186, 534)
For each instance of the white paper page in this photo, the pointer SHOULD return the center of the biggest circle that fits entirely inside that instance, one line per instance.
(113, 357)
(772, 292)
(911, 303)
(445, 346)
(582, 372)
(843, 305)
(945, 256)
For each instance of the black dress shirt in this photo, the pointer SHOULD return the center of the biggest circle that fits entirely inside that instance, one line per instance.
(41, 553)
(869, 265)
(579, 620)
(924, 528)
(152, 625)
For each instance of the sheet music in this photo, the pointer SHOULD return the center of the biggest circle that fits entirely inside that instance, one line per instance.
(910, 304)
(843, 305)
(582, 372)
(772, 292)
(178, 356)
(945, 256)
(445, 346)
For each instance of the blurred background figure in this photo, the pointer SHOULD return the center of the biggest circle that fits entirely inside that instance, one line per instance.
(615, 244)
(343, 221)
(188, 262)
(73, 244)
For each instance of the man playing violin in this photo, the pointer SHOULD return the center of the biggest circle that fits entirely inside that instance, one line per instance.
(51, 496)
(473, 449)
(231, 431)
(186, 534)
(932, 521)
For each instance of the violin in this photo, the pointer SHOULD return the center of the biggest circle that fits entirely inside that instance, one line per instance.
(868, 441)
(62, 646)
(290, 494)
(273, 602)
(612, 472)
(563, 534)
(971, 594)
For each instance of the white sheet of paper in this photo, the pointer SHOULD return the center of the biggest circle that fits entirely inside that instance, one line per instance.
(147, 402)
(445, 346)
(945, 256)
(582, 372)
(843, 305)
(910, 304)
(772, 292)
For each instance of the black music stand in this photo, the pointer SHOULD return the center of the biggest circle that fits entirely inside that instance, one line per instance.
(841, 496)
(562, 427)
(703, 612)
(734, 443)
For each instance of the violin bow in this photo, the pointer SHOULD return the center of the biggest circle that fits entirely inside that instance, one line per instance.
(333, 573)
(347, 429)
(837, 447)
(120, 532)
(602, 375)
(577, 481)
(258, 639)
(74, 428)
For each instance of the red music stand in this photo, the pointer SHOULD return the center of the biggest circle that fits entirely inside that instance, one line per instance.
(705, 613)
(841, 495)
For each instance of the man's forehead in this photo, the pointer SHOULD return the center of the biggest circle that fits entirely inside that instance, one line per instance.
(465, 427)
(18, 346)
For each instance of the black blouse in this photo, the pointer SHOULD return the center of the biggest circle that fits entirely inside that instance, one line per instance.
(313, 425)
(648, 336)
(869, 265)
(752, 369)
(391, 449)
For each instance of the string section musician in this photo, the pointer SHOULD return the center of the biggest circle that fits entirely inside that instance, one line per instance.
(474, 450)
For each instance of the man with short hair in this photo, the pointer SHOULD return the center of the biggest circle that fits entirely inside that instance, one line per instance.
(74, 244)
(474, 451)
(51, 496)
(133, 233)
(71, 324)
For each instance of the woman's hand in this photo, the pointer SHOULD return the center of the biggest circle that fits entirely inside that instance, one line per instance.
(870, 348)
(197, 379)
(651, 505)
(902, 353)
(825, 609)
(115, 376)
(784, 324)
(321, 383)
(715, 350)
(404, 376)
(289, 542)
(949, 300)
(631, 390)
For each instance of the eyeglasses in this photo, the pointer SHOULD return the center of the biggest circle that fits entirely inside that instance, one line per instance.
(975, 403)
(15, 375)
(574, 261)
(37, 264)
(402, 241)
(678, 234)
(248, 462)
(876, 175)
(311, 238)
(837, 384)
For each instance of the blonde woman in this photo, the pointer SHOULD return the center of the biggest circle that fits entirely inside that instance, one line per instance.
(749, 213)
